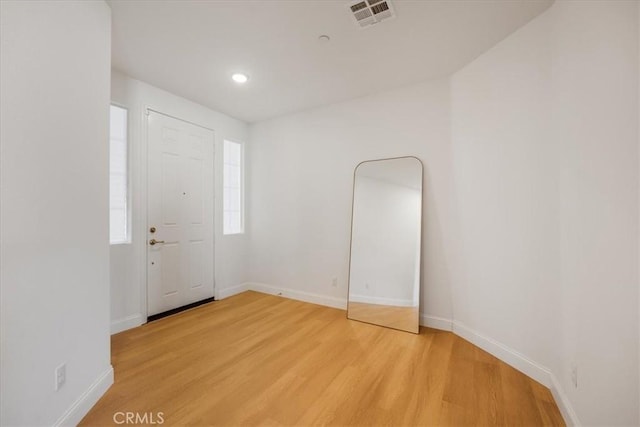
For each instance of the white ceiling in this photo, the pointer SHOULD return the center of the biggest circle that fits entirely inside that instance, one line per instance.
(191, 48)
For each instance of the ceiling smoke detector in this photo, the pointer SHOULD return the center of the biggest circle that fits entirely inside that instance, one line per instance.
(371, 12)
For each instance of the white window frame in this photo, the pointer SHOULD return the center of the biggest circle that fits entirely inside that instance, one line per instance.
(128, 220)
(242, 185)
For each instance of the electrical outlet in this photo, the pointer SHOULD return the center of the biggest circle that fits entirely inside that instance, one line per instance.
(61, 376)
(574, 375)
(334, 282)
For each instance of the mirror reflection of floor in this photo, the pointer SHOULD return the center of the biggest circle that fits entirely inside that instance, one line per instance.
(403, 318)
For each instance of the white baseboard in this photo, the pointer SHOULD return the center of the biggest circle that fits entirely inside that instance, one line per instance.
(379, 300)
(436, 322)
(425, 320)
(128, 322)
(299, 295)
(85, 402)
(504, 353)
(523, 364)
(228, 292)
(136, 320)
(569, 415)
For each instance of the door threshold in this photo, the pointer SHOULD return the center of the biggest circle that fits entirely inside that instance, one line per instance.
(179, 309)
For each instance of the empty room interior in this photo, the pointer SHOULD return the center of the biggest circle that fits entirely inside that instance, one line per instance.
(320, 212)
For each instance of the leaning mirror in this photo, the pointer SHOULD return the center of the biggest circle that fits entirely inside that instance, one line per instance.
(384, 267)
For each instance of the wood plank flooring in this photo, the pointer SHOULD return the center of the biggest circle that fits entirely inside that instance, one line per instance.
(256, 359)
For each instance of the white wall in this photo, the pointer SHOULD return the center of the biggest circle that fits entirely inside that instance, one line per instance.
(128, 288)
(545, 138)
(301, 169)
(531, 200)
(54, 109)
(506, 192)
(594, 122)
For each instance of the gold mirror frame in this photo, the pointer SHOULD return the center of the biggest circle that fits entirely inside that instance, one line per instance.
(399, 316)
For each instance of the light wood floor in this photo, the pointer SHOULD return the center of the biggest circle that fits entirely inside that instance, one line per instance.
(258, 359)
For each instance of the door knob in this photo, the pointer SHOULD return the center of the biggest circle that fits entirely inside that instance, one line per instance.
(154, 241)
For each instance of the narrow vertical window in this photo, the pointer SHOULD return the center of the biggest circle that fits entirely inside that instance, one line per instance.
(118, 183)
(232, 214)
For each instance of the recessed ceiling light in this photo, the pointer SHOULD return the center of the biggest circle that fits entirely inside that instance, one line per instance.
(324, 38)
(240, 78)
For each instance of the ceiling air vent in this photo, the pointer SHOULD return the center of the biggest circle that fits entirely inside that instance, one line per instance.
(370, 12)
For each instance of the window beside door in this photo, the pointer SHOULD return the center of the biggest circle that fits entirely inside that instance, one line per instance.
(233, 206)
(118, 177)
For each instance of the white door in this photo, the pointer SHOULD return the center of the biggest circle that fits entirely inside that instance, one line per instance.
(180, 267)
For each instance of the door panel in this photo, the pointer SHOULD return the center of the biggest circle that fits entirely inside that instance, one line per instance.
(170, 267)
(170, 189)
(180, 206)
(195, 187)
(196, 259)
